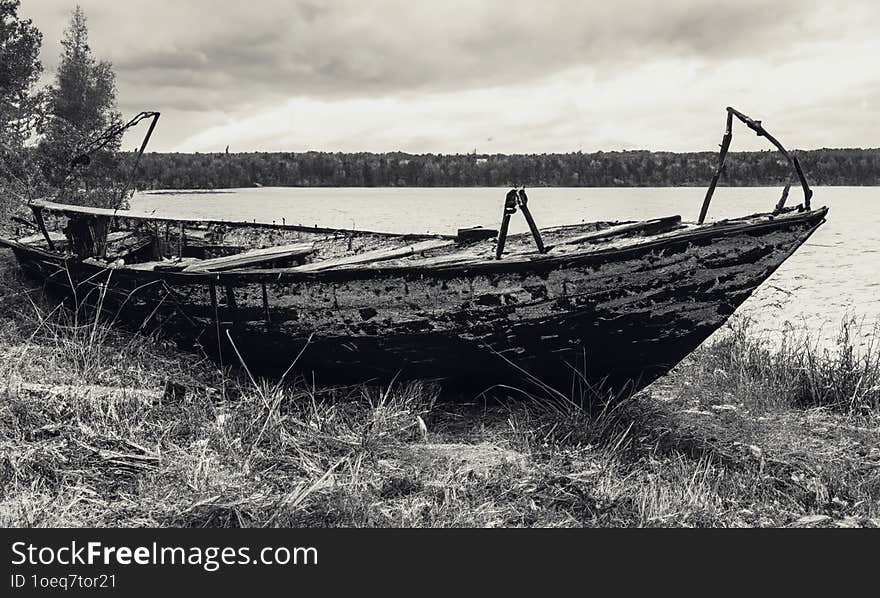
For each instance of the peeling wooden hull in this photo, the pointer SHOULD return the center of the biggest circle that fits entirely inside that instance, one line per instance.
(622, 315)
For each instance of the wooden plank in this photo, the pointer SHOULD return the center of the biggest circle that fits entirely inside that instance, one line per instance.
(653, 227)
(118, 235)
(56, 237)
(41, 224)
(173, 265)
(122, 244)
(252, 258)
(266, 310)
(375, 255)
(231, 305)
(474, 234)
(477, 255)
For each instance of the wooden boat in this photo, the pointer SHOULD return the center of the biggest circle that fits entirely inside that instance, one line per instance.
(621, 302)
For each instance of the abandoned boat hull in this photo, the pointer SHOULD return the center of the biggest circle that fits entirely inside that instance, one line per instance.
(621, 316)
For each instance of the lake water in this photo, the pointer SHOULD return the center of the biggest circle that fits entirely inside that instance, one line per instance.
(833, 276)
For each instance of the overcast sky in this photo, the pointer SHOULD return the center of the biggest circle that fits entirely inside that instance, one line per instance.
(496, 76)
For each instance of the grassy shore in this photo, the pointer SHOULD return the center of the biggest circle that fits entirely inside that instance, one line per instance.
(99, 427)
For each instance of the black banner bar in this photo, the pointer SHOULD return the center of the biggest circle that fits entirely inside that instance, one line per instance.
(158, 562)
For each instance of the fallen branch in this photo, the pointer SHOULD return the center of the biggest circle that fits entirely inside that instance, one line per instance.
(83, 392)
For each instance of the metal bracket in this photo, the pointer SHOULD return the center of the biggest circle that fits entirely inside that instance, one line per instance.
(517, 199)
(759, 129)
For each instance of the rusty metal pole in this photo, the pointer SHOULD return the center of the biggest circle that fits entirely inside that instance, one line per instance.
(137, 160)
(758, 128)
(509, 209)
(523, 201)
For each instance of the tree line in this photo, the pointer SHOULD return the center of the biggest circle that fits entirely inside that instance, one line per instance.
(599, 169)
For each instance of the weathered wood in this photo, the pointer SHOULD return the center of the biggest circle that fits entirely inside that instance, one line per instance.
(266, 308)
(72, 210)
(633, 305)
(87, 235)
(653, 227)
(479, 257)
(41, 224)
(215, 309)
(636, 329)
(56, 238)
(173, 265)
(780, 205)
(125, 244)
(634, 298)
(231, 305)
(255, 257)
(475, 233)
(374, 256)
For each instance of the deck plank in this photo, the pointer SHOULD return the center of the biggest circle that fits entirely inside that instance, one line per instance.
(252, 258)
(375, 255)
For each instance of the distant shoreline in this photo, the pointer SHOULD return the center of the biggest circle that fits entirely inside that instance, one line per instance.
(189, 191)
(231, 190)
(825, 167)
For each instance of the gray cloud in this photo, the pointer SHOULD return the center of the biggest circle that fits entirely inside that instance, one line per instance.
(353, 49)
(228, 56)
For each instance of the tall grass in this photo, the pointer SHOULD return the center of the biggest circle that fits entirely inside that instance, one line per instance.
(51, 343)
(746, 366)
(235, 449)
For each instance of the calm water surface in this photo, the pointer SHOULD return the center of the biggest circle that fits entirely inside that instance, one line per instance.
(833, 276)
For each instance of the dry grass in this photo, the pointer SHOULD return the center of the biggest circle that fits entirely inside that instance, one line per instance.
(136, 433)
(796, 371)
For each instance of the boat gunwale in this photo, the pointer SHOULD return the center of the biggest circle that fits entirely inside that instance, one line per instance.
(60, 208)
(531, 263)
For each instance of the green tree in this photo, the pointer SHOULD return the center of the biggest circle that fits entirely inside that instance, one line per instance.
(19, 70)
(81, 105)
(20, 104)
